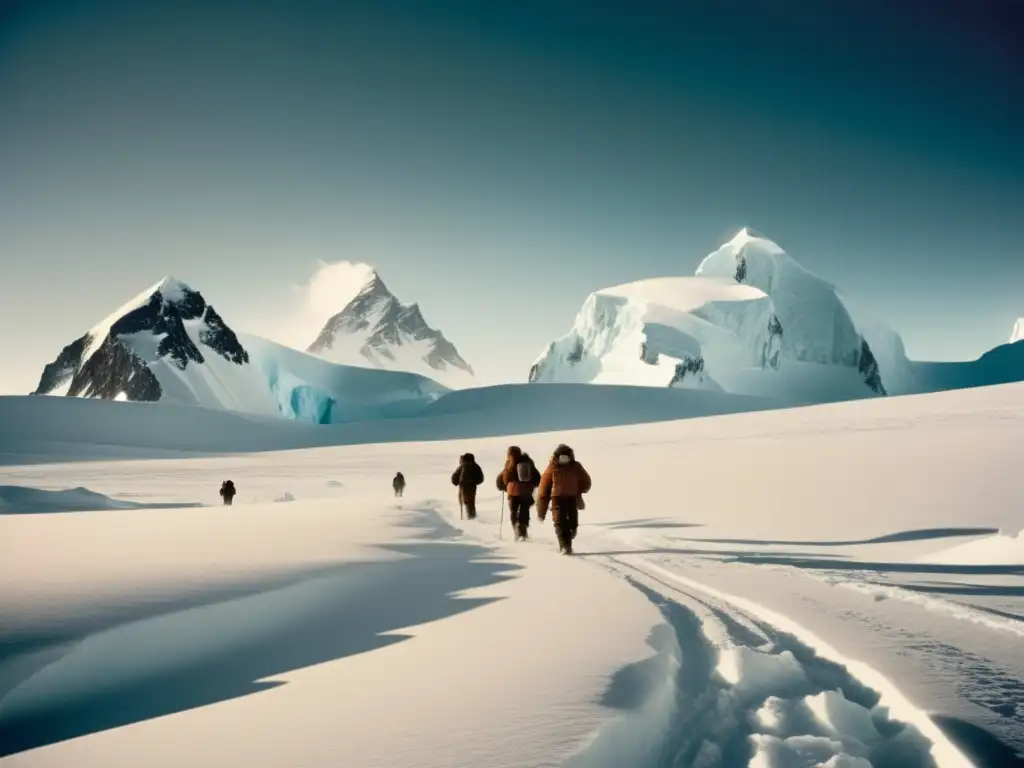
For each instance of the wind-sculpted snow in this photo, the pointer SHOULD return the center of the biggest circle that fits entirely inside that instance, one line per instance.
(753, 321)
(819, 327)
(24, 500)
(665, 332)
(740, 691)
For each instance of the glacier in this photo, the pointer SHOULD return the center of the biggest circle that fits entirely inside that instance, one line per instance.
(309, 389)
(752, 321)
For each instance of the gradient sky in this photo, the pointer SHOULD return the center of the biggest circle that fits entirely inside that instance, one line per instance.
(498, 160)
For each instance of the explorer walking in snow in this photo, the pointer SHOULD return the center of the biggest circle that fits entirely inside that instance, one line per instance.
(398, 483)
(466, 477)
(562, 487)
(518, 479)
(227, 492)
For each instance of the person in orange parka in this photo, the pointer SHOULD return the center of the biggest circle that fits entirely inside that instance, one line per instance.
(562, 486)
(518, 478)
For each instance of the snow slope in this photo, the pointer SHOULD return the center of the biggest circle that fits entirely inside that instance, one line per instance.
(375, 329)
(169, 345)
(753, 321)
(1001, 365)
(759, 589)
(45, 428)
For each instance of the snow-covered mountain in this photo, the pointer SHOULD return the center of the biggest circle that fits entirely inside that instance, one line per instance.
(1018, 331)
(376, 330)
(169, 345)
(752, 321)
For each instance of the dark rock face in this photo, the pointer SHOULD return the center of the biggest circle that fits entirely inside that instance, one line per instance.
(387, 322)
(115, 369)
(773, 347)
(867, 366)
(648, 355)
(63, 368)
(741, 268)
(576, 353)
(691, 366)
(221, 339)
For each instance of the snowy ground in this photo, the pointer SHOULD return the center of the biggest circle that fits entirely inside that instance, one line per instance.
(830, 586)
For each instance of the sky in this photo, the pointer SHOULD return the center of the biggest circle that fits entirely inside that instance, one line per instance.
(497, 161)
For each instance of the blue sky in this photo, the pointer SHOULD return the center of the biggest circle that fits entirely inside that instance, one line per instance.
(497, 161)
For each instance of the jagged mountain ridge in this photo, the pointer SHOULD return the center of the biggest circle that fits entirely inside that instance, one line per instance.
(169, 345)
(376, 328)
(105, 363)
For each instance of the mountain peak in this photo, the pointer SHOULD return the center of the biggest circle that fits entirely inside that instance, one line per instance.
(171, 289)
(1018, 331)
(748, 236)
(375, 328)
(372, 283)
(127, 354)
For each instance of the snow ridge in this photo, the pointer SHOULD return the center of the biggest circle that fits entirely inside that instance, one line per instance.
(375, 329)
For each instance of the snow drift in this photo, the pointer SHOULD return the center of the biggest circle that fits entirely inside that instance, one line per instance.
(752, 321)
(21, 500)
(80, 429)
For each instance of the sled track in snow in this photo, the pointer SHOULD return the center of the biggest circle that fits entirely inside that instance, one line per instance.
(731, 685)
(734, 685)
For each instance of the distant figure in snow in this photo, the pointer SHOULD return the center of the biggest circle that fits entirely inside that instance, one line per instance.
(466, 477)
(227, 492)
(398, 483)
(562, 487)
(518, 479)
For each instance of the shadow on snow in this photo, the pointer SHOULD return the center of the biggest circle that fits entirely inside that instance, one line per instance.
(923, 534)
(224, 645)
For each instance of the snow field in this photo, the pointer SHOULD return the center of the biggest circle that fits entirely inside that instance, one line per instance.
(348, 629)
(727, 539)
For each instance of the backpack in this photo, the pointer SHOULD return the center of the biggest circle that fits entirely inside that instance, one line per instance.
(227, 488)
(524, 471)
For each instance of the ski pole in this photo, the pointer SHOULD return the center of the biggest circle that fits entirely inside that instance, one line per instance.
(460, 504)
(501, 517)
